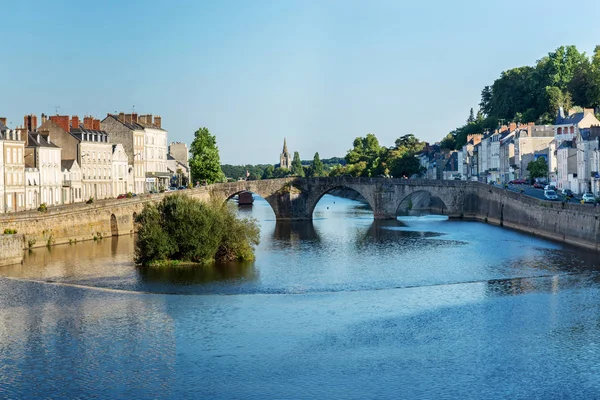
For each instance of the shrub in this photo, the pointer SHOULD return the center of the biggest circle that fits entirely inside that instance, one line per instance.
(9, 231)
(90, 201)
(184, 229)
(129, 195)
(42, 208)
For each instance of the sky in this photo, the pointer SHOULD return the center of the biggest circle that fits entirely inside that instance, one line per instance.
(318, 73)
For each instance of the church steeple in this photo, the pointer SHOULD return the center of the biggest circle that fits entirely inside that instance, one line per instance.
(285, 161)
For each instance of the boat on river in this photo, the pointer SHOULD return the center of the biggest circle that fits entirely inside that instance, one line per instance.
(245, 198)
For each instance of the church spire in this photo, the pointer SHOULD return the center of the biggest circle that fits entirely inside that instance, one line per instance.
(285, 150)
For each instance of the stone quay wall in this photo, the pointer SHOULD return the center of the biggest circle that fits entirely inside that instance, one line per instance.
(11, 249)
(572, 223)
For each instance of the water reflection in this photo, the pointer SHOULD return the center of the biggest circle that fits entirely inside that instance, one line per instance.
(198, 274)
(295, 231)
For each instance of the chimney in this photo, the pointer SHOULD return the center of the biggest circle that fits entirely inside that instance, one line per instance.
(62, 121)
(142, 119)
(88, 122)
(588, 111)
(121, 117)
(44, 118)
(127, 118)
(134, 117)
(3, 120)
(157, 122)
(149, 119)
(75, 121)
(30, 122)
(512, 127)
(96, 124)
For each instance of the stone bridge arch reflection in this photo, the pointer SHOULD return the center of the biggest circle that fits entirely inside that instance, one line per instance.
(295, 232)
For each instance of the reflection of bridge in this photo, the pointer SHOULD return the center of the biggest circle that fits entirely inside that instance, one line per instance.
(296, 198)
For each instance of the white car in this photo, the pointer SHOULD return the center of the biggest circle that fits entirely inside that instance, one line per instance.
(588, 197)
(550, 195)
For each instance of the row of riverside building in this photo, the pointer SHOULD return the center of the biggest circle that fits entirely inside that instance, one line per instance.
(571, 148)
(67, 160)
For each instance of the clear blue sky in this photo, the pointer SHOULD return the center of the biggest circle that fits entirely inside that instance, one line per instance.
(319, 73)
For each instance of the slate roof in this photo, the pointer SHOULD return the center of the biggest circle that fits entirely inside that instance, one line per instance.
(33, 141)
(66, 164)
(589, 134)
(567, 144)
(134, 126)
(77, 133)
(572, 119)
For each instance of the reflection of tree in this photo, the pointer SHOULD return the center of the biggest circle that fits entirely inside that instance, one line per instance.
(296, 231)
(195, 274)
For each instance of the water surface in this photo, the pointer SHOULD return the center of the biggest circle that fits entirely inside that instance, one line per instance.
(344, 307)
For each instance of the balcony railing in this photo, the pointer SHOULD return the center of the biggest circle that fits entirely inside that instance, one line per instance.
(66, 183)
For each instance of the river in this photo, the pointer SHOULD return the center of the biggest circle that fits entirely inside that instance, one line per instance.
(341, 308)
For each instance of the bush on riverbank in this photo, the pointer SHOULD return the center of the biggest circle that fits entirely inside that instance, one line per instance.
(180, 228)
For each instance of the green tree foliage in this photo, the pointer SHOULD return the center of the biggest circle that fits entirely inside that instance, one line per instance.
(316, 168)
(534, 93)
(471, 116)
(180, 228)
(204, 163)
(281, 173)
(268, 172)
(297, 169)
(538, 168)
(368, 158)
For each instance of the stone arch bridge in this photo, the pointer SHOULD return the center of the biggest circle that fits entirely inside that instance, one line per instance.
(296, 198)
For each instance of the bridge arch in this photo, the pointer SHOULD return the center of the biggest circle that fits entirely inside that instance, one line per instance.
(314, 197)
(422, 199)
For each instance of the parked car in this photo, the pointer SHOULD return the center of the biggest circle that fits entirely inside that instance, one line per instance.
(550, 187)
(122, 196)
(588, 197)
(550, 195)
(518, 182)
(172, 188)
(538, 185)
(567, 192)
(182, 187)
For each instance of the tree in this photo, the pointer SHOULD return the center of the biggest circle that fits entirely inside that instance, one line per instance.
(297, 169)
(181, 228)
(316, 168)
(268, 173)
(281, 173)
(204, 163)
(407, 165)
(471, 116)
(538, 168)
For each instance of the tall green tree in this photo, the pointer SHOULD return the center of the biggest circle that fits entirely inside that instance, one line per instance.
(316, 169)
(297, 169)
(538, 168)
(471, 116)
(204, 163)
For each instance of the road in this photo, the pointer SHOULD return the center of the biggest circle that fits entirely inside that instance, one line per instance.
(539, 193)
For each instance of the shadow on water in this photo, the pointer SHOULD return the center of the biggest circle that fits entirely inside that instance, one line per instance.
(296, 231)
(395, 231)
(199, 274)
